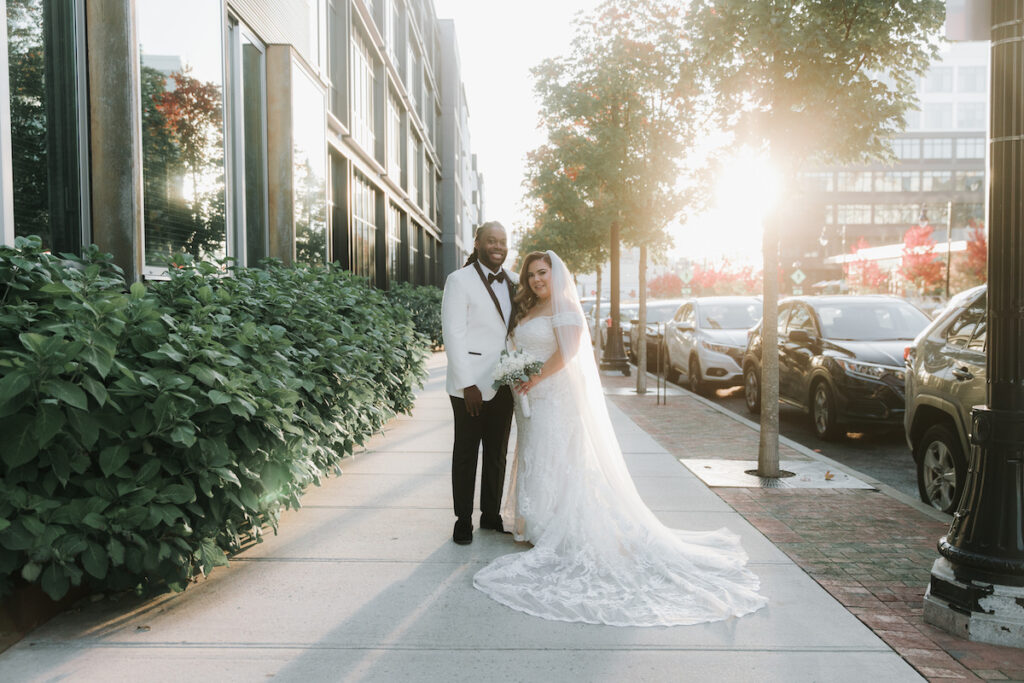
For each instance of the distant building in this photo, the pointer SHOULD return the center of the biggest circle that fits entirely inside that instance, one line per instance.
(940, 159)
(305, 130)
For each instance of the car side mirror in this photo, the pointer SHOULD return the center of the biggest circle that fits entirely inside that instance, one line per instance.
(799, 337)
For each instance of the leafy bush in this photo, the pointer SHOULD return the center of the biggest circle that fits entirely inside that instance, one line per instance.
(146, 430)
(424, 303)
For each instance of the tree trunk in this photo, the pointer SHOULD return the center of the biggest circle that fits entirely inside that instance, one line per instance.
(598, 322)
(641, 340)
(768, 447)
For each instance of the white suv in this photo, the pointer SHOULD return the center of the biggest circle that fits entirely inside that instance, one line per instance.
(705, 341)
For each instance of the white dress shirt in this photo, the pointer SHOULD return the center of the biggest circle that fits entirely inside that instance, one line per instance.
(500, 290)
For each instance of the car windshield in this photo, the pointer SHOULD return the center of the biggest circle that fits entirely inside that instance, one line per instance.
(870, 320)
(730, 315)
(659, 313)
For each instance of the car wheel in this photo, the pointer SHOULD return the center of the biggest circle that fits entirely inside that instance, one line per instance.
(752, 390)
(941, 468)
(697, 383)
(823, 413)
(671, 374)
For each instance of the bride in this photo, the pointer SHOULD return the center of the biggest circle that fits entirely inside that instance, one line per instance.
(599, 555)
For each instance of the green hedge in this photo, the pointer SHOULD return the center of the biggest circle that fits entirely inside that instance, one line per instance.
(424, 303)
(147, 430)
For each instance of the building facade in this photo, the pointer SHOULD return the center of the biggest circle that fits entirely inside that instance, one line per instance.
(940, 163)
(303, 130)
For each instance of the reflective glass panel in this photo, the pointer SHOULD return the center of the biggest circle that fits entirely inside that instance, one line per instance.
(181, 55)
(309, 168)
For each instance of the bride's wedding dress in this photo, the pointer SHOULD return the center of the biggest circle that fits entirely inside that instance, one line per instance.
(599, 554)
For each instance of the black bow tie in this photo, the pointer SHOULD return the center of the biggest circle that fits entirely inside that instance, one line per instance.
(491, 277)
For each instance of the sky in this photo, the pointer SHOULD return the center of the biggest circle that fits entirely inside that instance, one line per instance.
(499, 43)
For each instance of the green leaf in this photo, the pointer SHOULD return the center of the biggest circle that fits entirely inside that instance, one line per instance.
(66, 392)
(95, 520)
(55, 581)
(34, 525)
(116, 551)
(13, 383)
(228, 475)
(218, 398)
(179, 493)
(138, 290)
(207, 375)
(31, 571)
(99, 359)
(49, 421)
(98, 391)
(20, 447)
(95, 561)
(184, 434)
(113, 458)
(86, 426)
(32, 341)
(55, 288)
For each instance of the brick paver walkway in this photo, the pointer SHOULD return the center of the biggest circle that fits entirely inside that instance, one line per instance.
(873, 553)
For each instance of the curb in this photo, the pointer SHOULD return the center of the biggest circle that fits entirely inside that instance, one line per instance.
(832, 464)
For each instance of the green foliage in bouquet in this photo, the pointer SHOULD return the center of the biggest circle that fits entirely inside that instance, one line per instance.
(147, 430)
(424, 304)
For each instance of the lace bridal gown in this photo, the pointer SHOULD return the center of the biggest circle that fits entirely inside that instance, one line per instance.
(599, 555)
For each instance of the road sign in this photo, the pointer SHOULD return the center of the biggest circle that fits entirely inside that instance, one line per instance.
(687, 274)
(797, 291)
(686, 291)
(798, 276)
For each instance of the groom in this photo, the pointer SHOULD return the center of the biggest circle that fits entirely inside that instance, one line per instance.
(476, 316)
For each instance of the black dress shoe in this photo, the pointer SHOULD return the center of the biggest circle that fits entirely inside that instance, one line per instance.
(463, 533)
(493, 525)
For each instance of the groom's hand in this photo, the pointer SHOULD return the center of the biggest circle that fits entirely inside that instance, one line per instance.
(474, 400)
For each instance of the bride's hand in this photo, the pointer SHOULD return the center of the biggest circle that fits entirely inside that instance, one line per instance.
(524, 387)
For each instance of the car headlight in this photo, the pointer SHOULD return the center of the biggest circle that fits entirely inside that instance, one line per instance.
(717, 348)
(870, 370)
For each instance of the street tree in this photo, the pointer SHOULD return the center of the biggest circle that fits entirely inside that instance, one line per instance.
(802, 80)
(920, 266)
(863, 275)
(620, 113)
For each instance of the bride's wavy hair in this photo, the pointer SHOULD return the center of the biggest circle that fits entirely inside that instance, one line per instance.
(525, 298)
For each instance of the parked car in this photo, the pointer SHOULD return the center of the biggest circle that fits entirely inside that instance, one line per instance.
(945, 380)
(706, 339)
(658, 311)
(626, 313)
(840, 360)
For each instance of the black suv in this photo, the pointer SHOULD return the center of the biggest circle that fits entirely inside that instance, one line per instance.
(840, 360)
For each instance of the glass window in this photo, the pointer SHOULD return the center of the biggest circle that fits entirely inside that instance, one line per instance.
(730, 315)
(937, 148)
(412, 239)
(896, 214)
(938, 116)
(853, 213)
(801, 320)
(877, 320)
(783, 320)
(394, 227)
(971, 116)
(47, 158)
(970, 79)
(970, 148)
(936, 181)
(854, 181)
(939, 79)
(817, 182)
(362, 92)
(897, 181)
(364, 228)
(393, 139)
(309, 168)
(968, 324)
(415, 168)
(970, 181)
(249, 127)
(183, 164)
(907, 148)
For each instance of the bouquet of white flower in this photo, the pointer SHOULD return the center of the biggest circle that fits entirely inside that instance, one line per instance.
(516, 367)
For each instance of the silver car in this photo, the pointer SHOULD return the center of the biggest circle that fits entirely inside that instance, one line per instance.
(705, 341)
(945, 379)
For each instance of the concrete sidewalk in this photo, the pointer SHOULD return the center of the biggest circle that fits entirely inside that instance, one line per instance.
(364, 583)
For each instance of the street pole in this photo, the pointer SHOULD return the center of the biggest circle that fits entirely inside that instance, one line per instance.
(977, 586)
(768, 445)
(949, 243)
(614, 357)
(641, 345)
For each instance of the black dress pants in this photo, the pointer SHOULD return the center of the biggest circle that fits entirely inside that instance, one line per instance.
(491, 427)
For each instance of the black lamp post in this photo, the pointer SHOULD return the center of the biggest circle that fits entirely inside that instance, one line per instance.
(614, 357)
(977, 586)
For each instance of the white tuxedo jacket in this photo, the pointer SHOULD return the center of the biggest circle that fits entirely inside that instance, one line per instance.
(474, 330)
